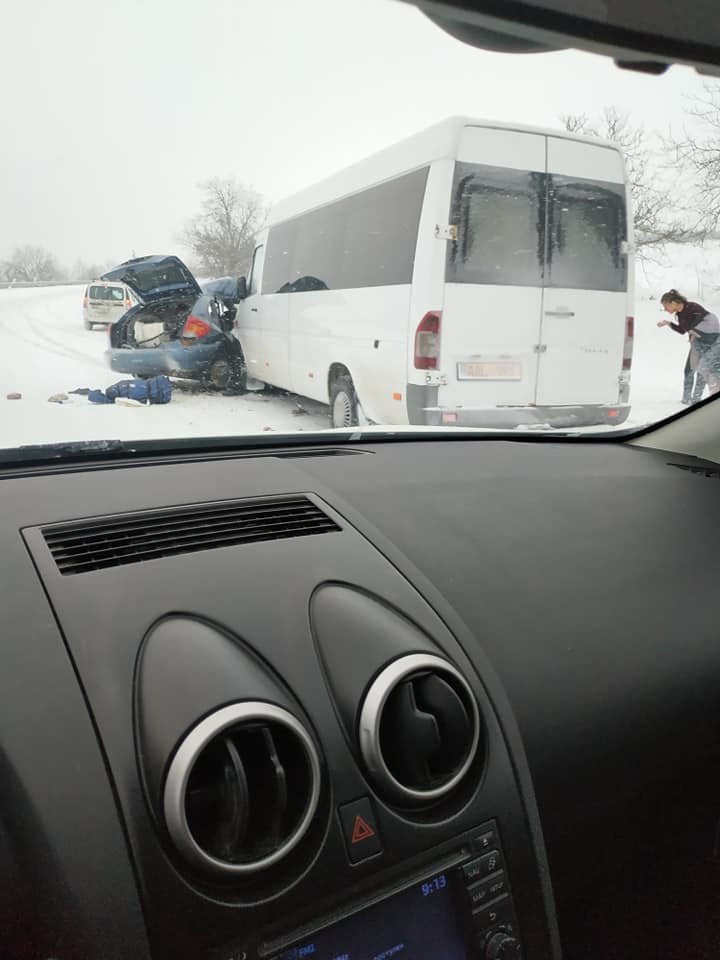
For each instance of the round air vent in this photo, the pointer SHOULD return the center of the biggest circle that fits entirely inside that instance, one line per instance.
(419, 728)
(242, 788)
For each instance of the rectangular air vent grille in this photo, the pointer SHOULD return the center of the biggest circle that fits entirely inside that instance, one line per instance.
(134, 538)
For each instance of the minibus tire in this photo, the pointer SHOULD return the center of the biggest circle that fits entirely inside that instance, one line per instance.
(343, 403)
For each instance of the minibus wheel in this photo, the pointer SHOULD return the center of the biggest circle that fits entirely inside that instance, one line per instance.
(343, 403)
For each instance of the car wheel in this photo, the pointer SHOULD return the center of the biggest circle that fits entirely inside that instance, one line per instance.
(343, 403)
(227, 373)
(87, 325)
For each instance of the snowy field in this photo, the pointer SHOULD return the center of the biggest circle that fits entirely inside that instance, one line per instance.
(46, 350)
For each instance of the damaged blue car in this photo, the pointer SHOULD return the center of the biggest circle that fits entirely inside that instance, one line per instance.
(175, 329)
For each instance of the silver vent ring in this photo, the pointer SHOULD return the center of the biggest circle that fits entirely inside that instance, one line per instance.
(182, 765)
(371, 719)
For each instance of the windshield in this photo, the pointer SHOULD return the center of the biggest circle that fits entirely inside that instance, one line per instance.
(401, 232)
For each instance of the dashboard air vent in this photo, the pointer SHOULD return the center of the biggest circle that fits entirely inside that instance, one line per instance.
(134, 538)
(419, 729)
(242, 788)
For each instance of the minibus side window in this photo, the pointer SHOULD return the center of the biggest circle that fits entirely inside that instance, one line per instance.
(367, 239)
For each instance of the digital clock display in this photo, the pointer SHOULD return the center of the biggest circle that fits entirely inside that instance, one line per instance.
(434, 885)
(420, 923)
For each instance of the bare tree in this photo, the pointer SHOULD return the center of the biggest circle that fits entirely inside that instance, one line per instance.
(658, 218)
(85, 272)
(699, 150)
(221, 236)
(31, 264)
(576, 122)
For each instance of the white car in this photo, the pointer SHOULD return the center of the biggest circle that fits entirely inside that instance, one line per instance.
(105, 302)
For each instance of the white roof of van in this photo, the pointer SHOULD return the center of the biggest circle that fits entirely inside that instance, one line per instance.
(433, 143)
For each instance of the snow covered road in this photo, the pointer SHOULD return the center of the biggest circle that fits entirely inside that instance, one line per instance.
(46, 350)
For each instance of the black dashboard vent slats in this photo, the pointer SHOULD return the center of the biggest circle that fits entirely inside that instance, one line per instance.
(712, 473)
(425, 710)
(419, 729)
(242, 788)
(134, 538)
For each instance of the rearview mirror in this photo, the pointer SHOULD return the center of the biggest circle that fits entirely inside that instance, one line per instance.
(640, 34)
(242, 288)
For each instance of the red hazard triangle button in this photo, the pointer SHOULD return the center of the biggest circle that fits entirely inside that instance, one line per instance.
(360, 830)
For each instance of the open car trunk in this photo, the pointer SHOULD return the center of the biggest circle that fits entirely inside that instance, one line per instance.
(151, 326)
(183, 336)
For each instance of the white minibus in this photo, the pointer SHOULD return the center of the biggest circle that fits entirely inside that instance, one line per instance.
(475, 274)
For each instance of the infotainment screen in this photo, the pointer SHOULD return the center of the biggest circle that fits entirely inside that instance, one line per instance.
(420, 923)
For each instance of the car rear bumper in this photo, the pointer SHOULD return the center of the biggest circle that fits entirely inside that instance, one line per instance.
(423, 408)
(103, 319)
(171, 358)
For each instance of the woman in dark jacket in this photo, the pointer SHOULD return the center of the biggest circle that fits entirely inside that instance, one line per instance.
(703, 329)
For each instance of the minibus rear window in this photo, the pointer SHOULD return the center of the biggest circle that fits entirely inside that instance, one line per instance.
(500, 226)
(586, 228)
(525, 228)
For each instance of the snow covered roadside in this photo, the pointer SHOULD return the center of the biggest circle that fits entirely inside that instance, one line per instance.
(46, 350)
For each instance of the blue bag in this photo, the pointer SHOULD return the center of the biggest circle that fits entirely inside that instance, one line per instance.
(154, 390)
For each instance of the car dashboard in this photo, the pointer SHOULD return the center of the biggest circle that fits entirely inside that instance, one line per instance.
(451, 698)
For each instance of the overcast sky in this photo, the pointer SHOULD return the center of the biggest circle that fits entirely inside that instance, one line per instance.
(112, 113)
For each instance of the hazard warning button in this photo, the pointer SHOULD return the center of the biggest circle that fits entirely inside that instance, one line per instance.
(360, 830)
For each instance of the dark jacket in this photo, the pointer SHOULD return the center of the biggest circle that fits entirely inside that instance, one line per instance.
(690, 315)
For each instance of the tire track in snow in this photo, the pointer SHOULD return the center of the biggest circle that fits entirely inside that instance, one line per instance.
(19, 318)
(63, 349)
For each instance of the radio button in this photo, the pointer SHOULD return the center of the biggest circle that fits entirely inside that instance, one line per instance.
(495, 913)
(487, 840)
(491, 863)
(488, 890)
(471, 871)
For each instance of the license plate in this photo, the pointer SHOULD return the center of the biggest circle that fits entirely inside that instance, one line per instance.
(489, 370)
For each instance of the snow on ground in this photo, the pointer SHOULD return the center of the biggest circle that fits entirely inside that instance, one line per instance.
(46, 350)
